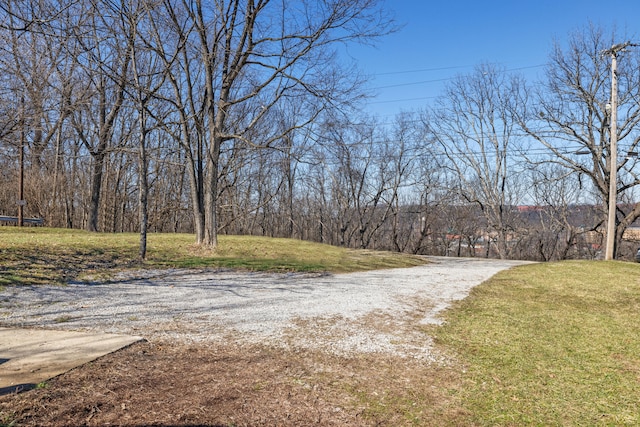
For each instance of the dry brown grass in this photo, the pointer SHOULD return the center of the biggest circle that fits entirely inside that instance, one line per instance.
(166, 384)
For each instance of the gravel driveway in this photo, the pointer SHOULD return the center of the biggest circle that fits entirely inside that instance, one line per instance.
(376, 311)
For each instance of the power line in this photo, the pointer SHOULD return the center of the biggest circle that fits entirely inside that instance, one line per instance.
(413, 83)
(402, 100)
(449, 78)
(422, 70)
(422, 98)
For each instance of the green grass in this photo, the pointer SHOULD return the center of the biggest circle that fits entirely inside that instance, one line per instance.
(46, 255)
(551, 344)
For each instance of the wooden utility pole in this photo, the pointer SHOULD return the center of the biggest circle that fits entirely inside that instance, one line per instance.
(613, 150)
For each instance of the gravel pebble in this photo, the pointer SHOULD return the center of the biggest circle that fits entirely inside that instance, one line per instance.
(374, 311)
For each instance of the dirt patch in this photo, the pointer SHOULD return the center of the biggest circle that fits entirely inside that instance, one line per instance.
(168, 384)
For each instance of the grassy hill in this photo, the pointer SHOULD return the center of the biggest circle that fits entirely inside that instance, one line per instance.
(47, 255)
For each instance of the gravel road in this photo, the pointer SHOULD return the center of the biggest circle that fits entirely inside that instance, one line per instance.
(377, 311)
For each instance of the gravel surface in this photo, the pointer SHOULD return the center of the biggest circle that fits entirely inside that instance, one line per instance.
(377, 311)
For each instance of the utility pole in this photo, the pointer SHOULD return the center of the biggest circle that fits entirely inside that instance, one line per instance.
(613, 149)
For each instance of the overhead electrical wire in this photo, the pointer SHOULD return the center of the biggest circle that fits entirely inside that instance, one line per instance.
(428, 81)
(450, 78)
(422, 70)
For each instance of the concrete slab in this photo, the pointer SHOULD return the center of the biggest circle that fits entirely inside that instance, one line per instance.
(31, 356)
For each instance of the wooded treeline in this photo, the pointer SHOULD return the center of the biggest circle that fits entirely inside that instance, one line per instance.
(242, 117)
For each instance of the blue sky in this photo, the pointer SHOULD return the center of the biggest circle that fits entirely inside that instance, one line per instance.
(442, 39)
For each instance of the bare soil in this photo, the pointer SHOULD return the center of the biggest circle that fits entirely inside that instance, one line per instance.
(170, 384)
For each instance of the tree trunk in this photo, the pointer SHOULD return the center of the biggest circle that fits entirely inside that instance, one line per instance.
(96, 190)
(143, 184)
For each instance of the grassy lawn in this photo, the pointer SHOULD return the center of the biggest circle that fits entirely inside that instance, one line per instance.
(46, 255)
(550, 344)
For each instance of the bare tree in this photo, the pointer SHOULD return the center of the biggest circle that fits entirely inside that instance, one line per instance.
(568, 115)
(148, 77)
(401, 152)
(37, 71)
(254, 55)
(357, 175)
(34, 16)
(473, 125)
(555, 223)
(105, 61)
